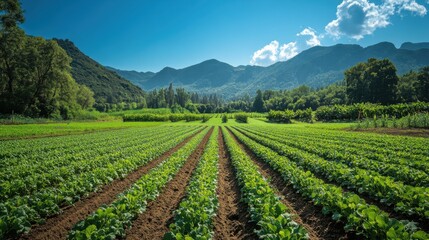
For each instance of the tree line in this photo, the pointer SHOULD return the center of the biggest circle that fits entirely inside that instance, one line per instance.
(179, 98)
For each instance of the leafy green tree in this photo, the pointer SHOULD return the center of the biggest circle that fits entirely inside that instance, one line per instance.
(182, 97)
(170, 95)
(423, 84)
(258, 103)
(12, 41)
(407, 87)
(374, 81)
(11, 14)
(357, 88)
(383, 81)
(85, 98)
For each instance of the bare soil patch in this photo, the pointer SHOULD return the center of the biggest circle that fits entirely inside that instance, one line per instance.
(232, 220)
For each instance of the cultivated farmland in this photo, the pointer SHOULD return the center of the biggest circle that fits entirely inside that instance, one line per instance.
(215, 181)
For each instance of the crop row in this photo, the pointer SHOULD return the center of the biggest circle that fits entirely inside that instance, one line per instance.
(380, 143)
(18, 213)
(110, 222)
(395, 153)
(394, 149)
(194, 217)
(366, 220)
(28, 147)
(352, 157)
(75, 147)
(265, 208)
(27, 180)
(407, 199)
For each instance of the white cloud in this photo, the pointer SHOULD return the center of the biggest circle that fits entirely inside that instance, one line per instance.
(357, 18)
(288, 51)
(266, 55)
(314, 40)
(271, 53)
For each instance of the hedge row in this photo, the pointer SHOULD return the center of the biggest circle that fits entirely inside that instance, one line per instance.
(150, 117)
(367, 110)
(287, 115)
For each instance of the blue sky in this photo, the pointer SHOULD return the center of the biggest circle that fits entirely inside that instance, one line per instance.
(149, 35)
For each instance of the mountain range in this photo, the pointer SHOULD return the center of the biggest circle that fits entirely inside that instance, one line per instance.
(315, 67)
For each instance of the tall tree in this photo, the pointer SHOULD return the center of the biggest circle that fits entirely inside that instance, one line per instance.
(423, 84)
(85, 97)
(182, 97)
(258, 103)
(407, 87)
(374, 81)
(12, 41)
(170, 95)
(357, 88)
(383, 81)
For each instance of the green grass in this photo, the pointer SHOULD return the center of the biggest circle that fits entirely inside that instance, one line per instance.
(56, 129)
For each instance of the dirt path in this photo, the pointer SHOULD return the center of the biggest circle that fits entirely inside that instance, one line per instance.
(58, 226)
(306, 214)
(232, 220)
(154, 222)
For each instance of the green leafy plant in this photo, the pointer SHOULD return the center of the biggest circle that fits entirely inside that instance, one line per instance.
(366, 220)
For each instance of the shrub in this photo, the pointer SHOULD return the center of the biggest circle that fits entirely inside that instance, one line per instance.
(192, 117)
(224, 118)
(241, 117)
(280, 116)
(304, 115)
(176, 117)
(205, 118)
(420, 120)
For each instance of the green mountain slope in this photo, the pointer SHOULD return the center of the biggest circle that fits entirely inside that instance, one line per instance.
(316, 67)
(107, 85)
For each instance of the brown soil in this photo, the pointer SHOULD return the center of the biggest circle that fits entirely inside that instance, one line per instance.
(232, 220)
(410, 132)
(306, 214)
(58, 226)
(154, 222)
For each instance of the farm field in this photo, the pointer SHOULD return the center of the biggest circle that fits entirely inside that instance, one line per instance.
(212, 180)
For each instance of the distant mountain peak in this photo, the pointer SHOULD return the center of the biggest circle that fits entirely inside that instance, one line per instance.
(167, 69)
(414, 46)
